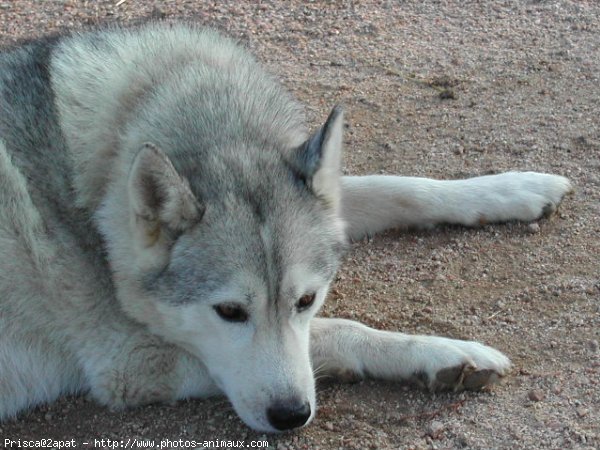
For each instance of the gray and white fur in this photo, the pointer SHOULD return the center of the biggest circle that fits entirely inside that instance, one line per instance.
(169, 229)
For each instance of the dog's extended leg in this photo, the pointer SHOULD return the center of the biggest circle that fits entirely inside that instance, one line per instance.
(375, 203)
(349, 349)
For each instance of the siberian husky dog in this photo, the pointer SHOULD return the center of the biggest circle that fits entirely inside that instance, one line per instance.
(169, 229)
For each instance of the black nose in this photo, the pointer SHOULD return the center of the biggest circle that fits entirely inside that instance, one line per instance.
(288, 415)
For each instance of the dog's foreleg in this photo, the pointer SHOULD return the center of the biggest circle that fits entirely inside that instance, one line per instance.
(138, 368)
(374, 203)
(349, 350)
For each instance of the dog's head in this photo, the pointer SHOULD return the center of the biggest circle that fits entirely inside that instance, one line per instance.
(232, 263)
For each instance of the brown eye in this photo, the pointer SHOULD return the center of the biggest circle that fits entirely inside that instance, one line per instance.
(231, 312)
(305, 302)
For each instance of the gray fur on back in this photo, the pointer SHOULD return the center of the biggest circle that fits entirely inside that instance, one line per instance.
(194, 93)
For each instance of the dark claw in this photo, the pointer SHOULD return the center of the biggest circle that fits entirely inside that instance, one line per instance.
(548, 210)
(452, 376)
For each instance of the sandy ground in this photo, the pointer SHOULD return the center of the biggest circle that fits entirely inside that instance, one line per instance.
(438, 89)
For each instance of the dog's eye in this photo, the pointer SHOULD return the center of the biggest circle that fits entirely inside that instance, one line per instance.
(231, 312)
(305, 302)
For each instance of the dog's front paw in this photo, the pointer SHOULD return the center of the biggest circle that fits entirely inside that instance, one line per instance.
(144, 376)
(118, 391)
(545, 192)
(532, 195)
(463, 365)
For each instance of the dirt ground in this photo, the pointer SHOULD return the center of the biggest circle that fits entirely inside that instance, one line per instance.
(438, 89)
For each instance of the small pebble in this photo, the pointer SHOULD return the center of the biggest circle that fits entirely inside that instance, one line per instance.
(533, 228)
(389, 146)
(536, 395)
(593, 345)
(462, 440)
(434, 429)
(582, 412)
(328, 426)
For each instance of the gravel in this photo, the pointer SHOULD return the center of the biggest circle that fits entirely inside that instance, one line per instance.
(536, 395)
(439, 89)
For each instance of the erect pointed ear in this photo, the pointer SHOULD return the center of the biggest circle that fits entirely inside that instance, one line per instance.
(161, 201)
(319, 158)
